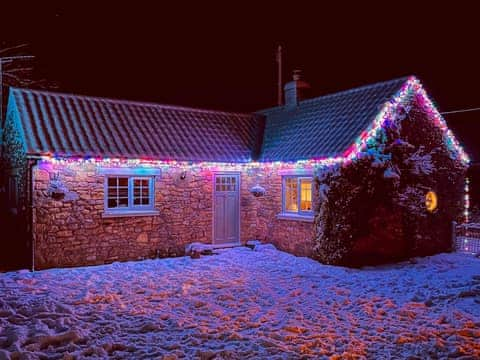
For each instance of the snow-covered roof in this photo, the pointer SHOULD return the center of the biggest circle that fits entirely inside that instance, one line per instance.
(324, 126)
(74, 125)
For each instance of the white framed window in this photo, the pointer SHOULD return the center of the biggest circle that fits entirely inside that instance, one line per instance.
(129, 195)
(297, 195)
(129, 191)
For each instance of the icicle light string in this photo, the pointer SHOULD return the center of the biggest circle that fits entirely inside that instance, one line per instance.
(466, 211)
(382, 120)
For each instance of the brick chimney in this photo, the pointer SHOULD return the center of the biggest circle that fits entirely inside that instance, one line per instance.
(295, 90)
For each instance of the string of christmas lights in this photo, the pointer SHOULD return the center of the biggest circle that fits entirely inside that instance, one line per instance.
(387, 114)
(381, 121)
(466, 211)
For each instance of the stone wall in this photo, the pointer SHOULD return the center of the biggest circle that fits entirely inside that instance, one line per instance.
(72, 231)
(293, 236)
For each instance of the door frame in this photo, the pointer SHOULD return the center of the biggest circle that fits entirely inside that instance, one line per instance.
(215, 173)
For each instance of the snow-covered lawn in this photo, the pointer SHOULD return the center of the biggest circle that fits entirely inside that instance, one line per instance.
(243, 304)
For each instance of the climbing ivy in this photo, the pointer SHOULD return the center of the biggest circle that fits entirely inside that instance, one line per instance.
(373, 209)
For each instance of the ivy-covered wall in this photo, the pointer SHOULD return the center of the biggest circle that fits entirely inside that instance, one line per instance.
(373, 210)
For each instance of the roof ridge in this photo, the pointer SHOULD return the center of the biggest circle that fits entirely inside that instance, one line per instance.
(338, 93)
(132, 102)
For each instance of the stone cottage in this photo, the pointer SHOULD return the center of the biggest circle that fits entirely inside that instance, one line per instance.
(98, 180)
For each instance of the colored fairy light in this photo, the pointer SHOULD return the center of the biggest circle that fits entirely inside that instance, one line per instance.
(466, 204)
(383, 119)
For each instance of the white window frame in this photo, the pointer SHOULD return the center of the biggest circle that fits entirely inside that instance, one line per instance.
(299, 214)
(131, 175)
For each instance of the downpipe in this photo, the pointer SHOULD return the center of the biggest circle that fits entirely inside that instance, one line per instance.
(32, 164)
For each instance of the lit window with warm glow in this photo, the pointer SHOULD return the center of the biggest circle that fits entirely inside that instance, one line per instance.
(291, 194)
(297, 195)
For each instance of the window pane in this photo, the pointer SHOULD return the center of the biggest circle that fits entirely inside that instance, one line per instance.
(122, 181)
(112, 191)
(112, 181)
(123, 202)
(141, 192)
(123, 192)
(112, 203)
(291, 194)
(306, 195)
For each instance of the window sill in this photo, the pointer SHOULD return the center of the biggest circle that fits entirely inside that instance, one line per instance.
(127, 213)
(295, 217)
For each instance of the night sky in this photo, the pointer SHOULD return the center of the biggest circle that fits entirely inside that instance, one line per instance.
(223, 56)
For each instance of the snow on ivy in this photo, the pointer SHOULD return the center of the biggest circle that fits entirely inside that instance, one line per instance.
(421, 162)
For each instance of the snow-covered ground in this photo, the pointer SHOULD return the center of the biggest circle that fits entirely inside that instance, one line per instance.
(243, 304)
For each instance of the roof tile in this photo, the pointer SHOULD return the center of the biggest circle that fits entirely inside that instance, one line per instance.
(323, 126)
(75, 125)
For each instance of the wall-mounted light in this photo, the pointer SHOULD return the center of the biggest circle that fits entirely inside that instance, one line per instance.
(56, 188)
(258, 191)
(431, 201)
(183, 175)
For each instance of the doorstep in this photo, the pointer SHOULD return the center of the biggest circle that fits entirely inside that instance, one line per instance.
(227, 245)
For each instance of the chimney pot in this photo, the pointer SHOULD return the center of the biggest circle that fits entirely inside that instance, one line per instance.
(295, 90)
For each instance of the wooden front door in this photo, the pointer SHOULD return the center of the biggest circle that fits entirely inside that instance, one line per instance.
(226, 217)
